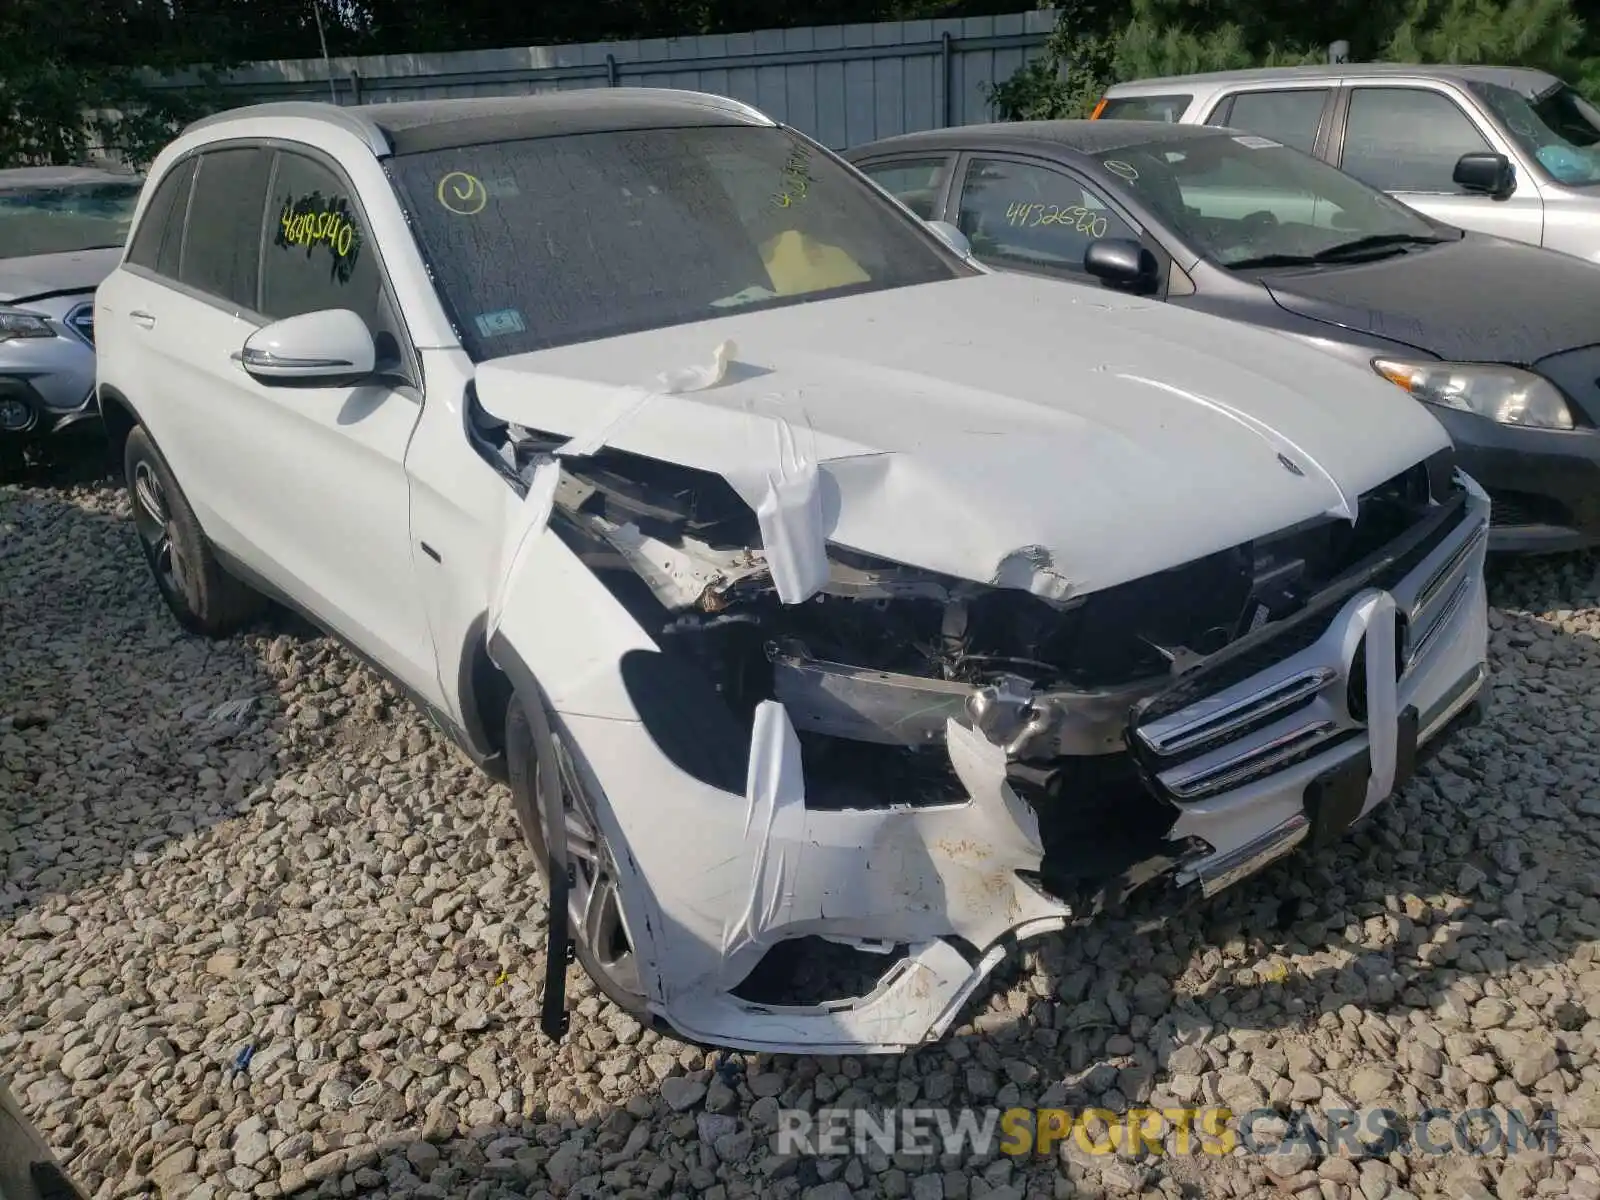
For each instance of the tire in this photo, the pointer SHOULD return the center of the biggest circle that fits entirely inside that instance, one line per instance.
(203, 597)
(537, 757)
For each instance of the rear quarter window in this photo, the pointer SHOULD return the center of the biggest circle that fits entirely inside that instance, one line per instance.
(157, 241)
(1146, 108)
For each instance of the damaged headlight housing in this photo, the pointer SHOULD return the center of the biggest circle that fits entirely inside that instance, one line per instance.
(20, 323)
(1505, 394)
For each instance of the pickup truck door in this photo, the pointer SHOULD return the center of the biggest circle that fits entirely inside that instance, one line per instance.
(1405, 138)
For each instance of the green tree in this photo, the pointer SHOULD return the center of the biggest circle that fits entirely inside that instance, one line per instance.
(1547, 34)
(72, 77)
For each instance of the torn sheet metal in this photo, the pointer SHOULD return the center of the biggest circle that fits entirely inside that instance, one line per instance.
(533, 514)
(793, 536)
(525, 523)
(775, 799)
(626, 402)
(936, 871)
(947, 453)
(1032, 569)
(621, 406)
(748, 872)
(689, 575)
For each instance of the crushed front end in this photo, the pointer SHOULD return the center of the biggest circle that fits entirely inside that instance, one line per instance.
(913, 773)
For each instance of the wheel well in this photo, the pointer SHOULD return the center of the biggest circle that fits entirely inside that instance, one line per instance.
(119, 419)
(485, 693)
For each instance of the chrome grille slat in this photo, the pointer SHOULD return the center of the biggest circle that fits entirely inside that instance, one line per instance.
(1259, 705)
(1446, 611)
(1251, 761)
(1249, 728)
(1437, 581)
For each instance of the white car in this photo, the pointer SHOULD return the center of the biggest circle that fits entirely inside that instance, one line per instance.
(832, 595)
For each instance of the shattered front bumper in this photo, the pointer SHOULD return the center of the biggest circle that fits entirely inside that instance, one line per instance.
(714, 878)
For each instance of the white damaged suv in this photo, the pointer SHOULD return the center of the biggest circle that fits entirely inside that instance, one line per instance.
(835, 599)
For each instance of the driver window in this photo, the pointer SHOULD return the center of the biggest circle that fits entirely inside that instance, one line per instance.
(1033, 215)
(317, 255)
(1407, 139)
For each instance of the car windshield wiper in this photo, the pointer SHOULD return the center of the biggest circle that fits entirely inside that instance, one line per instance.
(1359, 247)
(1376, 241)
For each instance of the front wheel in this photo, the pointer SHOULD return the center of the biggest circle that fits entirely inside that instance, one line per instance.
(202, 596)
(538, 758)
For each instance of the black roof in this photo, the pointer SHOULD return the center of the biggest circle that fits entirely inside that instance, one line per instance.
(1087, 137)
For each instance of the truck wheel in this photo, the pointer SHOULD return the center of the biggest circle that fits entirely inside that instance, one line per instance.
(202, 596)
(538, 757)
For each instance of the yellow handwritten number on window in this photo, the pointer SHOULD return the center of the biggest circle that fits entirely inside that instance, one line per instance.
(1074, 216)
(310, 228)
(462, 194)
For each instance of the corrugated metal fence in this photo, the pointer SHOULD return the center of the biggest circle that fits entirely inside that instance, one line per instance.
(842, 84)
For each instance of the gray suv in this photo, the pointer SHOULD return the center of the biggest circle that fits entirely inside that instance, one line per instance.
(61, 233)
(1500, 150)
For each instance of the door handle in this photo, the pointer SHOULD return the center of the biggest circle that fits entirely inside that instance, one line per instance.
(143, 319)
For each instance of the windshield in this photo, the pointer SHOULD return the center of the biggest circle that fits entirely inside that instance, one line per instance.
(1559, 130)
(548, 241)
(64, 218)
(1240, 198)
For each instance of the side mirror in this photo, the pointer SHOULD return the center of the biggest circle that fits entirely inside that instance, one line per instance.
(329, 347)
(1485, 173)
(952, 237)
(1122, 263)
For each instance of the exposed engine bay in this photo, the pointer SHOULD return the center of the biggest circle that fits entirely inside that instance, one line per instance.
(873, 667)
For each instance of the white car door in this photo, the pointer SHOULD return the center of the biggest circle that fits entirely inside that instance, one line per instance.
(1405, 139)
(304, 487)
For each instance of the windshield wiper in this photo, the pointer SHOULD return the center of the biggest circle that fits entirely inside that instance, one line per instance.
(1376, 241)
(1344, 251)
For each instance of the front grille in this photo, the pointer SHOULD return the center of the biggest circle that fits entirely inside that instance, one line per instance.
(1281, 695)
(81, 321)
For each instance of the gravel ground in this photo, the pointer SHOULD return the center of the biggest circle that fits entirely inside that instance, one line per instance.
(256, 842)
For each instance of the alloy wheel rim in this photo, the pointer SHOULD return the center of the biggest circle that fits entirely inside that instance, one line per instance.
(153, 521)
(594, 900)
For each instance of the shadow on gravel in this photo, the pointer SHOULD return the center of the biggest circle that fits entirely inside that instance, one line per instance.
(120, 735)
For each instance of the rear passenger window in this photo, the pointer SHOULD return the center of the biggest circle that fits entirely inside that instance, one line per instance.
(917, 185)
(317, 256)
(158, 241)
(1146, 108)
(1407, 139)
(1291, 116)
(222, 240)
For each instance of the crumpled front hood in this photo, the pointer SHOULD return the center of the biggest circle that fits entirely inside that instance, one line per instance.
(23, 279)
(1482, 299)
(989, 425)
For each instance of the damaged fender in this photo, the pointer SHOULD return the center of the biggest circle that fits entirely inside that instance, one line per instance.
(714, 878)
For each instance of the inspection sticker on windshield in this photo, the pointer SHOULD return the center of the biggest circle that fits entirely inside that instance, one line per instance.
(1251, 142)
(498, 324)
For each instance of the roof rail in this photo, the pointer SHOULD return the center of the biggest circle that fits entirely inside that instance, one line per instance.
(313, 110)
